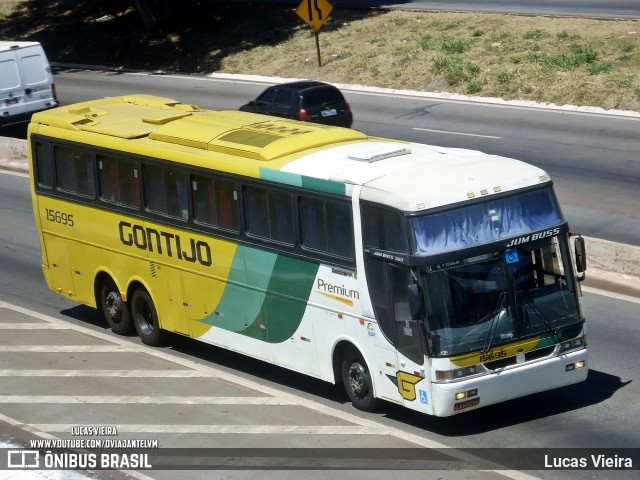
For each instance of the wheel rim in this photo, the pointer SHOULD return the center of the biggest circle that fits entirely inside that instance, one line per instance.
(358, 380)
(145, 318)
(113, 306)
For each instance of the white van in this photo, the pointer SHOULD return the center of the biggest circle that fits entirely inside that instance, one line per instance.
(26, 82)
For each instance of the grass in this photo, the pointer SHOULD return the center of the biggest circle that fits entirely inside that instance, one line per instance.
(556, 60)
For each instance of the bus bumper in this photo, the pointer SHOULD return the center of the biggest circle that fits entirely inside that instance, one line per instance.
(510, 383)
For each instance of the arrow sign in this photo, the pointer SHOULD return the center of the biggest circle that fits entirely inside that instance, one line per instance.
(314, 12)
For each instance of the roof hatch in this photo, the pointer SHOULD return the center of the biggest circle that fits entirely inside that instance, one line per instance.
(377, 152)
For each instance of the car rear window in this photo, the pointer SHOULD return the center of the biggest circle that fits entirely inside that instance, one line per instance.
(321, 96)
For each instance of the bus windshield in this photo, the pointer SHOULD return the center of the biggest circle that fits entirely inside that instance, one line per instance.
(485, 222)
(500, 297)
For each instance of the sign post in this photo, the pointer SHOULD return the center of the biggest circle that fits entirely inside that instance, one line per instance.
(315, 13)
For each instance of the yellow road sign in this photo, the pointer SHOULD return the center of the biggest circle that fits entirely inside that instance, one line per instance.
(314, 12)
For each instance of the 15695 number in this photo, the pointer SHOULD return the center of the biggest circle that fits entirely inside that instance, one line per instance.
(487, 357)
(59, 217)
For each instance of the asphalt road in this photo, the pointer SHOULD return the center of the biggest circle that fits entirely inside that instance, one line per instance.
(578, 8)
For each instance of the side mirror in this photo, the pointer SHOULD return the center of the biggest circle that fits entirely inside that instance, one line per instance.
(416, 302)
(581, 256)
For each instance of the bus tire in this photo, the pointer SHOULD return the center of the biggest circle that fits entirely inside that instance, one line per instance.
(145, 318)
(115, 309)
(357, 380)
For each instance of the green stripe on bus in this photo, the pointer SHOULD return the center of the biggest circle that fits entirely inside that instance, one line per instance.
(289, 291)
(318, 184)
(281, 177)
(322, 185)
(269, 304)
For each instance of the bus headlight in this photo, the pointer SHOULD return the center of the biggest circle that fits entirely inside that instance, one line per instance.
(575, 366)
(455, 374)
(467, 394)
(573, 344)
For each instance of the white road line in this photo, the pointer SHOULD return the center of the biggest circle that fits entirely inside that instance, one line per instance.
(456, 133)
(65, 348)
(606, 293)
(146, 400)
(105, 373)
(32, 326)
(11, 172)
(229, 429)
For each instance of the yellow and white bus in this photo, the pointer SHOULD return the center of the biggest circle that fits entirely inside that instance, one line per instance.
(435, 278)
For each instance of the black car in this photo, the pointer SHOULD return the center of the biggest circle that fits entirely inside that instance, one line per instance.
(307, 100)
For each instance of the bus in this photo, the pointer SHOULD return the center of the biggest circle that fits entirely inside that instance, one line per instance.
(436, 278)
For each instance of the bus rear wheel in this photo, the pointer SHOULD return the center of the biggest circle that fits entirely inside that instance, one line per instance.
(357, 380)
(115, 309)
(145, 318)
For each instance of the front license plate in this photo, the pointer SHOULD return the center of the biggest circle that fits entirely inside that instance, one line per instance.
(329, 113)
(466, 404)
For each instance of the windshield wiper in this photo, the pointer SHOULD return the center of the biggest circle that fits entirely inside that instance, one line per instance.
(549, 328)
(498, 314)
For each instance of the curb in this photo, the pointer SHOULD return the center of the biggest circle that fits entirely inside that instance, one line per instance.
(611, 266)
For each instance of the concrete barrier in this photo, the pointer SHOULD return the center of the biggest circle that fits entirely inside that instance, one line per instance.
(610, 266)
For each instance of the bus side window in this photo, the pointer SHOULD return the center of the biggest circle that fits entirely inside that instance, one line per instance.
(177, 198)
(327, 227)
(204, 208)
(312, 224)
(227, 205)
(118, 181)
(340, 231)
(408, 335)
(256, 211)
(74, 170)
(383, 229)
(44, 164)
(108, 179)
(281, 218)
(129, 181)
(154, 189)
(166, 192)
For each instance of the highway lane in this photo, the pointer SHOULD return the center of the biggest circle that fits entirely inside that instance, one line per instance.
(594, 160)
(601, 412)
(578, 8)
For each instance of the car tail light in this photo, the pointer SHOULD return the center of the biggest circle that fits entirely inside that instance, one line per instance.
(304, 116)
(53, 91)
(347, 107)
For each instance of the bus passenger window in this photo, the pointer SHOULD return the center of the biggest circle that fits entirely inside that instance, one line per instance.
(256, 211)
(215, 202)
(227, 205)
(281, 218)
(165, 192)
(177, 199)
(129, 184)
(44, 165)
(118, 181)
(312, 224)
(74, 170)
(340, 231)
(383, 229)
(327, 227)
(204, 207)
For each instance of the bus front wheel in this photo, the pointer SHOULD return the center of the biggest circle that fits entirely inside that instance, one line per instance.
(115, 310)
(357, 380)
(145, 318)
